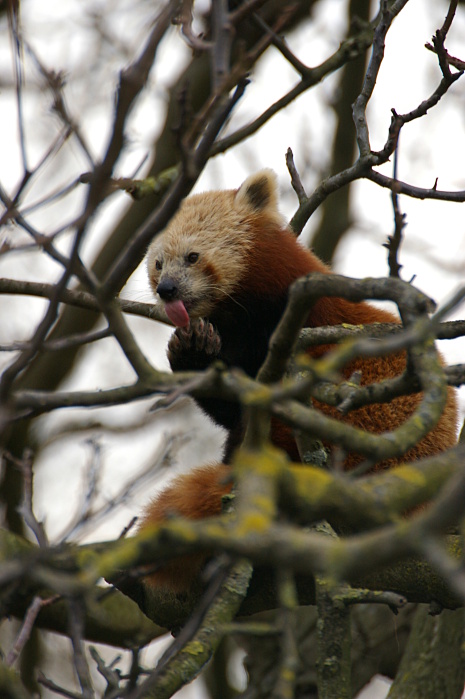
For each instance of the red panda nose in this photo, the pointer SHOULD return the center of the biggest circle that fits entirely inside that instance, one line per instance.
(167, 289)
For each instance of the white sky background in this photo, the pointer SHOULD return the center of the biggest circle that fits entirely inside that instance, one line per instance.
(433, 250)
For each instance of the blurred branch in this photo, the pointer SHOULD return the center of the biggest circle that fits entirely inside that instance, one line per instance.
(368, 159)
(76, 612)
(81, 299)
(26, 628)
(132, 81)
(335, 211)
(11, 685)
(334, 642)
(349, 50)
(431, 666)
(25, 466)
(111, 618)
(25, 357)
(71, 570)
(311, 493)
(289, 660)
(350, 558)
(56, 83)
(138, 189)
(195, 646)
(114, 619)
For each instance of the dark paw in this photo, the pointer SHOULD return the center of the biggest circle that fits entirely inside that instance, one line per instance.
(194, 347)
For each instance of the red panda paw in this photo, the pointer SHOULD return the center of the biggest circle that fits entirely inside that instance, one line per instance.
(194, 347)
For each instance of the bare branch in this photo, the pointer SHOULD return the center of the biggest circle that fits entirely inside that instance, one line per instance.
(26, 629)
(26, 507)
(184, 18)
(76, 622)
(296, 182)
(394, 241)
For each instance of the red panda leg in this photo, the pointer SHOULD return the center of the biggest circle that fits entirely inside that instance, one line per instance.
(195, 495)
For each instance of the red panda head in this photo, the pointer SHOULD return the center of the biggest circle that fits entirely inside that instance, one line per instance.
(201, 258)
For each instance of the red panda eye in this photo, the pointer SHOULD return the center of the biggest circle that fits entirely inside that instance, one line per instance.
(158, 265)
(192, 257)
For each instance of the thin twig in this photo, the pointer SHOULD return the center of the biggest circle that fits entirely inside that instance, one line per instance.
(26, 629)
(49, 684)
(112, 677)
(26, 507)
(395, 240)
(16, 38)
(56, 84)
(296, 182)
(76, 623)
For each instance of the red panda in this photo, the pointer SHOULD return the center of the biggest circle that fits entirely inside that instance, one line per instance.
(222, 269)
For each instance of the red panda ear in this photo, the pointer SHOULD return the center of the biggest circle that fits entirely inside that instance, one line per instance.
(259, 192)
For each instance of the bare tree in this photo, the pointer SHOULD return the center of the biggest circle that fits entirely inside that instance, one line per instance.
(317, 592)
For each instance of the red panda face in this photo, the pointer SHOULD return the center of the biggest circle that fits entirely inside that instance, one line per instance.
(196, 262)
(200, 258)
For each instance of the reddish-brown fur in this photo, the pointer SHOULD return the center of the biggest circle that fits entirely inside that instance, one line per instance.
(195, 495)
(271, 261)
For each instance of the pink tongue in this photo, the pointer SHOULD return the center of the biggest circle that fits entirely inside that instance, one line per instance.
(176, 312)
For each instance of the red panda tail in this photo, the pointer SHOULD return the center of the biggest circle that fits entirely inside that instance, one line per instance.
(194, 495)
